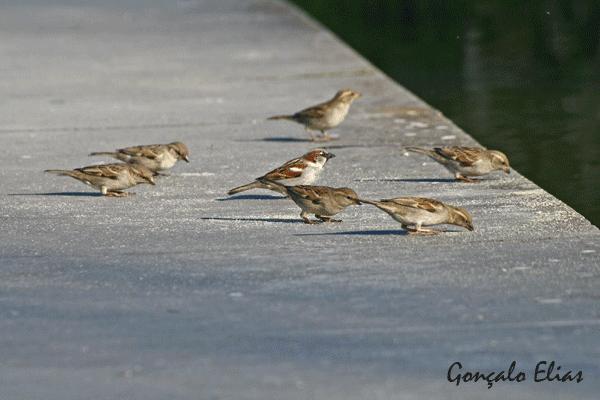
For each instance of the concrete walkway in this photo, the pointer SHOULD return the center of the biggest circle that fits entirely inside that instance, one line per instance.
(180, 293)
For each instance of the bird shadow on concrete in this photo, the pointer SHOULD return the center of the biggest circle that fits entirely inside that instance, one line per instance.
(383, 232)
(282, 220)
(409, 180)
(252, 197)
(349, 146)
(66, 194)
(285, 139)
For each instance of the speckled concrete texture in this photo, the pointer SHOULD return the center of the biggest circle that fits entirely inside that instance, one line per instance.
(182, 293)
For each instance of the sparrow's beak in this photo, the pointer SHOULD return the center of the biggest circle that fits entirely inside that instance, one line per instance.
(329, 155)
(151, 181)
(470, 227)
(186, 159)
(358, 95)
(358, 202)
(506, 169)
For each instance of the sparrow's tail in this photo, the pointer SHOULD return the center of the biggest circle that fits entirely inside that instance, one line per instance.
(372, 202)
(249, 186)
(113, 154)
(276, 186)
(64, 172)
(420, 150)
(427, 152)
(287, 117)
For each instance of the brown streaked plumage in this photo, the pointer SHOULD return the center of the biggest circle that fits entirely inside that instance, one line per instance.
(415, 212)
(110, 179)
(156, 157)
(324, 116)
(467, 161)
(299, 171)
(322, 201)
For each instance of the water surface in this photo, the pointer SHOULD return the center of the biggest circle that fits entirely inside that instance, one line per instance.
(522, 77)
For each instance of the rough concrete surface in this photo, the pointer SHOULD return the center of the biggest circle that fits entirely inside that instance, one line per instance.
(182, 293)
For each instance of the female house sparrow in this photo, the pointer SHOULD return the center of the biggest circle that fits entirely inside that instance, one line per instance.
(322, 201)
(419, 211)
(110, 179)
(467, 161)
(156, 157)
(324, 116)
(299, 171)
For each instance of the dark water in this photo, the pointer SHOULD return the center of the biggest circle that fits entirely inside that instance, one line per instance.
(519, 76)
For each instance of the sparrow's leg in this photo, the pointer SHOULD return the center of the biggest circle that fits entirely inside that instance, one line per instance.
(418, 230)
(424, 232)
(304, 216)
(118, 193)
(327, 219)
(325, 137)
(313, 138)
(462, 178)
(407, 228)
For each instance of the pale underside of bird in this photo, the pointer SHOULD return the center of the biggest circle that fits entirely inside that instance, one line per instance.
(110, 179)
(415, 212)
(464, 162)
(324, 116)
(322, 201)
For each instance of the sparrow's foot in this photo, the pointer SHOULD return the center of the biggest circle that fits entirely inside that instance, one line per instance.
(423, 232)
(328, 219)
(306, 220)
(466, 179)
(118, 193)
(325, 137)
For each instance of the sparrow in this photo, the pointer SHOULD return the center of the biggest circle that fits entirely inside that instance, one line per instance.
(419, 211)
(467, 161)
(323, 116)
(299, 171)
(110, 179)
(155, 157)
(322, 201)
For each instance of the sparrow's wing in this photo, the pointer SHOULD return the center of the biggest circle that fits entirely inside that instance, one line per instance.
(465, 156)
(314, 194)
(421, 203)
(111, 171)
(291, 169)
(150, 151)
(314, 112)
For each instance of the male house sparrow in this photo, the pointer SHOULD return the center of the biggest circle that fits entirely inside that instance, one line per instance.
(110, 179)
(419, 211)
(322, 201)
(324, 116)
(299, 171)
(156, 157)
(467, 161)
